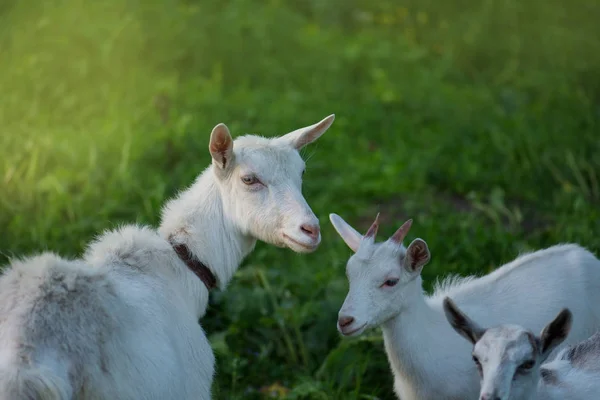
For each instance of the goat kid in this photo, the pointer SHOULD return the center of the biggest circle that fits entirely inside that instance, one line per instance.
(428, 360)
(511, 359)
(123, 322)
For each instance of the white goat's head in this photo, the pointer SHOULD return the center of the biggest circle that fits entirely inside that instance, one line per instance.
(382, 276)
(261, 183)
(508, 357)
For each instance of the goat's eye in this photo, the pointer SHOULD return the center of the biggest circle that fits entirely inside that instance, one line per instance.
(527, 365)
(303, 171)
(250, 179)
(390, 282)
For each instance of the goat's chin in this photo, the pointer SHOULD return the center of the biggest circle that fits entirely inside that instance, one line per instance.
(298, 246)
(352, 332)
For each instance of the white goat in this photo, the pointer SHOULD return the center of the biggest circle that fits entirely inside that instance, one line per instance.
(123, 322)
(510, 359)
(428, 360)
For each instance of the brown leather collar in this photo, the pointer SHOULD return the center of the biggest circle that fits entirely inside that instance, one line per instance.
(196, 266)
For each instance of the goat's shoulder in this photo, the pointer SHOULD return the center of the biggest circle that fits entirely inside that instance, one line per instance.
(139, 248)
(449, 285)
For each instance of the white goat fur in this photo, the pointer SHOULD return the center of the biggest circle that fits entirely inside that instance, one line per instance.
(512, 360)
(428, 359)
(123, 322)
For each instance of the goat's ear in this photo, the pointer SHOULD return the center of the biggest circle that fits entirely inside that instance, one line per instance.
(221, 146)
(348, 233)
(303, 136)
(417, 255)
(462, 324)
(555, 332)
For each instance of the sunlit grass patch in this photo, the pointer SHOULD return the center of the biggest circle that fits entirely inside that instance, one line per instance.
(480, 121)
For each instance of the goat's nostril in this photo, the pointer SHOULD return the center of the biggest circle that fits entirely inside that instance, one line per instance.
(310, 230)
(345, 321)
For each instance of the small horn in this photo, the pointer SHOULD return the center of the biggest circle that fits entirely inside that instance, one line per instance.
(400, 234)
(372, 232)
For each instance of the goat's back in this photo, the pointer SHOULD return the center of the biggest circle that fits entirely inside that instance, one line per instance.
(55, 317)
(109, 328)
(532, 289)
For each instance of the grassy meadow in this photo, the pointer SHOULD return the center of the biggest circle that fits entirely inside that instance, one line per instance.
(479, 120)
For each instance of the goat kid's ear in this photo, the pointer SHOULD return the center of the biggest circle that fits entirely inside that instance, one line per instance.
(417, 255)
(221, 146)
(462, 324)
(555, 332)
(346, 232)
(303, 136)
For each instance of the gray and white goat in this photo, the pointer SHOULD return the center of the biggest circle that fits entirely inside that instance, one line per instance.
(511, 360)
(123, 322)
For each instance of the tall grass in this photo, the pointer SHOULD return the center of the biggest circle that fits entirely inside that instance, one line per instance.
(478, 120)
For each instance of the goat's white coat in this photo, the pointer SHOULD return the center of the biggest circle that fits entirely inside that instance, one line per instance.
(428, 359)
(576, 380)
(123, 322)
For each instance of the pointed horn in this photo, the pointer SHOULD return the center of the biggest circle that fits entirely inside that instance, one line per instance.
(400, 234)
(372, 232)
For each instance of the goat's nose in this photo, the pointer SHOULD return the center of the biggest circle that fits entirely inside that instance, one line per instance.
(310, 230)
(345, 321)
(490, 396)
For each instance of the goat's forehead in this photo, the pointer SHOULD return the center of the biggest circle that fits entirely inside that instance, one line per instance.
(374, 258)
(266, 155)
(509, 342)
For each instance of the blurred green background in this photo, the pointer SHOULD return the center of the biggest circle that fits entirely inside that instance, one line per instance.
(480, 120)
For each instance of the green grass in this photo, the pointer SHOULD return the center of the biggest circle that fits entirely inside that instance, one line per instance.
(479, 120)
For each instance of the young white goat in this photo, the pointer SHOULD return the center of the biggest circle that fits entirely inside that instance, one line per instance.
(429, 361)
(510, 359)
(123, 322)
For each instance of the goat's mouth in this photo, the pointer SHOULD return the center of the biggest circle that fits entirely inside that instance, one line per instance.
(300, 246)
(353, 332)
